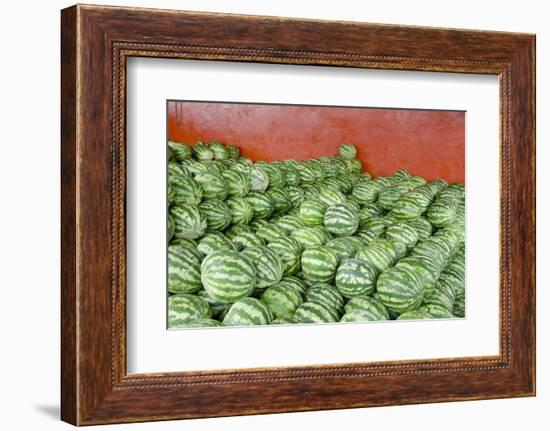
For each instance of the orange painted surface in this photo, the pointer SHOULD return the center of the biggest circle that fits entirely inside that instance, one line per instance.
(427, 143)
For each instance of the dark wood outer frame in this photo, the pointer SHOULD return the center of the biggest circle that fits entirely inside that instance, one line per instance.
(95, 43)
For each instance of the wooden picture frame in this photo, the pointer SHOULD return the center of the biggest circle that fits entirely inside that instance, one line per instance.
(96, 41)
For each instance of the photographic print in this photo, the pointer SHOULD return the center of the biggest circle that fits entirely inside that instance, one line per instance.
(300, 214)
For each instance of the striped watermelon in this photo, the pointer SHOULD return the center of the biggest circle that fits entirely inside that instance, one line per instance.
(296, 195)
(367, 303)
(237, 182)
(185, 242)
(415, 315)
(344, 246)
(171, 228)
(233, 152)
(311, 236)
(360, 316)
(227, 276)
(270, 232)
(217, 213)
(341, 220)
(354, 166)
(248, 311)
(240, 210)
(366, 191)
(347, 151)
(437, 311)
(218, 308)
(355, 277)
(289, 250)
(280, 199)
(190, 222)
(203, 322)
(376, 225)
(259, 181)
(289, 223)
(440, 297)
(180, 150)
(269, 267)
(327, 295)
(330, 196)
(283, 321)
(296, 283)
(423, 270)
(261, 203)
(282, 300)
(399, 289)
(312, 212)
(312, 312)
(212, 242)
(218, 150)
(175, 170)
(306, 173)
(184, 269)
(202, 151)
(247, 239)
(185, 191)
(403, 233)
(377, 256)
(183, 308)
(442, 212)
(274, 173)
(422, 227)
(236, 229)
(319, 264)
(213, 186)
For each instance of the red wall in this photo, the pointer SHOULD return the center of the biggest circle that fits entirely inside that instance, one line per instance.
(427, 143)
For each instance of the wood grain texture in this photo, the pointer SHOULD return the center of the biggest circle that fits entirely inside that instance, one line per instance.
(96, 41)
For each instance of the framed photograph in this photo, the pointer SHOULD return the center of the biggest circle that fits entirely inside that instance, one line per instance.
(285, 220)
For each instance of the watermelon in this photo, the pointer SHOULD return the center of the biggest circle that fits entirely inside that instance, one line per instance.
(175, 170)
(312, 312)
(311, 236)
(241, 211)
(312, 212)
(319, 264)
(248, 311)
(274, 174)
(296, 283)
(355, 277)
(330, 196)
(268, 266)
(213, 185)
(403, 233)
(437, 311)
(212, 242)
(190, 222)
(185, 190)
(327, 295)
(183, 308)
(262, 204)
(341, 220)
(217, 213)
(171, 228)
(227, 276)
(442, 212)
(270, 232)
(258, 179)
(422, 227)
(366, 191)
(282, 300)
(280, 198)
(218, 150)
(289, 250)
(233, 152)
(399, 289)
(186, 242)
(368, 303)
(237, 182)
(347, 151)
(360, 316)
(296, 195)
(202, 151)
(218, 308)
(376, 225)
(423, 270)
(283, 321)
(247, 239)
(289, 223)
(344, 246)
(184, 266)
(415, 315)
(203, 322)
(377, 256)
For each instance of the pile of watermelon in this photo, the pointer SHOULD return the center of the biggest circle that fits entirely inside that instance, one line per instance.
(310, 241)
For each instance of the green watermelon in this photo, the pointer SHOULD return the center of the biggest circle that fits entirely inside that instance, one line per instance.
(270, 232)
(248, 311)
(180, 150)
(202, 151)
(212, 242)
(289, 250)
(344, 246)
(319, 264)
(217, 213)
(185, 191)
(327, 295)
(341, 220)
(330, 196)
(296, 283)
(399, 289)
(367, 303)
(311, 236)
(312, 212)
(296, 195)
(312, 312)
(403, 233)
(259, 181)
(280, 198)
(269, 267)
(203, 322)
(355, 277)
(289, 223)
(360, 316)
(190, 222)
(240, 210)
(282, 300)
(218, 150)
(347, 151)
(184, 269)
(415, 315)
(237, 182)
(213, 185)
(247, 239)
(183, 308)
(262, 204)
(227, 276)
